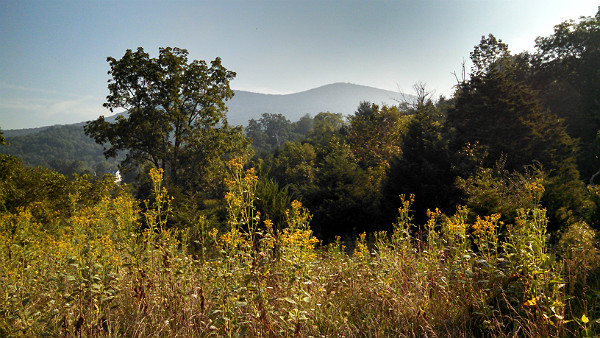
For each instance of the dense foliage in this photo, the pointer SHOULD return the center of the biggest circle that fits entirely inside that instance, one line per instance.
(176, 115)
(65, 149)
(462, 216)
(99, 266)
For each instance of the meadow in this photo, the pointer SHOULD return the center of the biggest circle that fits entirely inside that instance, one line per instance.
(112, 269)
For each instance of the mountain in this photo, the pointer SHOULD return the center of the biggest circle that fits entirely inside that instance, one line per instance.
(66, 147)
(11, 133)
(335, 98)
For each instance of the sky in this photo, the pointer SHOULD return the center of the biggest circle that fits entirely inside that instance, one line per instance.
(53, 67)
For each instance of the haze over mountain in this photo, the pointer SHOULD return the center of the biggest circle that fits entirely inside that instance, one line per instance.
(335, 98)
(67, 149)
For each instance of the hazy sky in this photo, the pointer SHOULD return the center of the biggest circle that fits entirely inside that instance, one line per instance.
(53, 53)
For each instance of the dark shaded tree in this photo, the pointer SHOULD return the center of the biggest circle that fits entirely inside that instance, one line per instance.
(326, 125)
(344, 200)
(259, 139)
(295, 165)
(502, 116)
(565, 70)
(425, 167)
(304, 125)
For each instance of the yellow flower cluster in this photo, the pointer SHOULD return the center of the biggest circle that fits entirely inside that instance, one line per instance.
(241, 188)
(236, 164)
(432, 218)
(296, 204)
(406, 203)
(297, 217)
(456, 224)
(250, 176)
(298, 246)
(232, 240)
(535, 187)
(268, 224)
(486, 226)
(156, 174)
(361, 250)
(535, 190)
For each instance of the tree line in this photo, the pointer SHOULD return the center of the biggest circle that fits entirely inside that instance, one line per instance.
(65, 149)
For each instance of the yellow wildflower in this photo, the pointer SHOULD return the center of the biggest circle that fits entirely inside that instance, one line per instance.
(268, 224)
(296, 205)
(432, 218)
(487, 225)
(530, 302)
(156, 174)
(236, 163)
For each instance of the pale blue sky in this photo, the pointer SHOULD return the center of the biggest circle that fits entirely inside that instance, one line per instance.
(53, 53)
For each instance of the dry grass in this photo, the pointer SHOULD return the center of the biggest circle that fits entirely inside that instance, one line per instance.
(101, 275)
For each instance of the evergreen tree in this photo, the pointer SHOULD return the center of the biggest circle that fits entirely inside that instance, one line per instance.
(425, 167)
(502, 115)
(565, 70)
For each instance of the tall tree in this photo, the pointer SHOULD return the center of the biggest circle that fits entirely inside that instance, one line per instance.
(325, 126)
(304, 125)
(424, 168)
(176, 113)
(374, 134)
(344, 199)
(501, 115)
(504, 116)
(565, 70)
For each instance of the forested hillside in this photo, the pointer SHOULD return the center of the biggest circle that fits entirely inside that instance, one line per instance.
(65, 149)
(471, 215)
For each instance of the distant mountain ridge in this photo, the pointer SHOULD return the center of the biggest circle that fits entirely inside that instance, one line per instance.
(338, 97)
(66, 147)
(341, 98)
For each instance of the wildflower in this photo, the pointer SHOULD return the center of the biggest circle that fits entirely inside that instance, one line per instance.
(156, 174)
(487, 225)
(361, 249)
(250, 176)
(531, 302)
(268, 224)
(535, 187)
(456, 225)
(432, 218)
(236, 163)
(296, 205)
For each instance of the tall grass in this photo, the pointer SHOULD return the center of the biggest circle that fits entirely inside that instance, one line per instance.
(112, 270)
